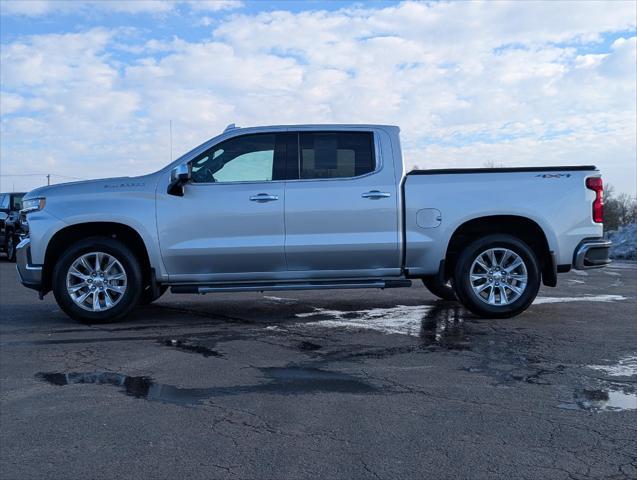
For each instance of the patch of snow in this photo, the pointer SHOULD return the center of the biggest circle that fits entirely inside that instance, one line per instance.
(402, 319)
(280, 299)
(576, 281)
(626, 367)
(624, 242)
(581, 273)
(588, 298)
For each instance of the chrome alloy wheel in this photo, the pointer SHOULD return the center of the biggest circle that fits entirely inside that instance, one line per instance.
(96, 281)
(498, 276)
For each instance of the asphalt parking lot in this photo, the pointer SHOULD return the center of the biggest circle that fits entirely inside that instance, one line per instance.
(340, 384)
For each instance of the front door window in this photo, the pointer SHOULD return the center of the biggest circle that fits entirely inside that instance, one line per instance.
(249, 158)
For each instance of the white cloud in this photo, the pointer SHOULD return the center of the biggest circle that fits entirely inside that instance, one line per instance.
(10, 102)
(28, 8)
(48, 60)
(511, 83)
(214, 5)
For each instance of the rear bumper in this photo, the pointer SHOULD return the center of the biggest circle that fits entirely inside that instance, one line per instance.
(30, 275)
(592, 253)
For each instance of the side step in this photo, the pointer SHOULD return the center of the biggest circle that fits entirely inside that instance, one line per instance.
(271, 287)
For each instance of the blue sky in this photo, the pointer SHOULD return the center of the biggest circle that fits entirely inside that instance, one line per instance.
(181, 20)
(88, 88)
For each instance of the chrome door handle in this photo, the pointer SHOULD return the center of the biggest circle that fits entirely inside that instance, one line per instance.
(263, 198)
(375, 195)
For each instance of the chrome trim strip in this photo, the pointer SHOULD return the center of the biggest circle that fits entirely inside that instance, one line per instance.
(579, 261)
(30, 275)
(273, 288)
(377, 159)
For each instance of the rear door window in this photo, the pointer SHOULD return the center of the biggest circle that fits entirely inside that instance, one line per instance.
(336, 154)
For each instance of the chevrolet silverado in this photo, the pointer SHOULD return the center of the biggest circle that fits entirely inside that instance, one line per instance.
(310, 207)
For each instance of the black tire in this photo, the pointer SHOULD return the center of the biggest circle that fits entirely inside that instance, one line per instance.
(10, 247)
(462, 281)
(117, 250)
(440, 290)
(147, 297)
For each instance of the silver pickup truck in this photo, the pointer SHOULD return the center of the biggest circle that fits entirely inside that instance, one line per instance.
(310, 207)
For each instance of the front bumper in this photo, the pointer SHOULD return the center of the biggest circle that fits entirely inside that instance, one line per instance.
(592, 253)
(30, 275)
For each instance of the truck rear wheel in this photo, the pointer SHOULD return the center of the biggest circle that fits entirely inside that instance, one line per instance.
(497, 276)
(96, 280)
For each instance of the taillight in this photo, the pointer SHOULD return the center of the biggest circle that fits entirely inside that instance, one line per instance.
(595, 184)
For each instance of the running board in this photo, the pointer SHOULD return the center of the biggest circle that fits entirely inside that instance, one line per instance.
(271, 287)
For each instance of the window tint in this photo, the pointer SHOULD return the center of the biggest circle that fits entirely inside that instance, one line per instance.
(4, 202)
(248, 158)
(336, 154)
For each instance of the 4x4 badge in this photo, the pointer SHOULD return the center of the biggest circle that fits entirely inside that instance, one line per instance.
(553, 175)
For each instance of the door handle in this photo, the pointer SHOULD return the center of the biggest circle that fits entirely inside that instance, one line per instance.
(263, 198)
(375, 195)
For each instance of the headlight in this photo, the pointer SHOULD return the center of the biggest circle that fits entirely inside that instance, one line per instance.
(33, 205)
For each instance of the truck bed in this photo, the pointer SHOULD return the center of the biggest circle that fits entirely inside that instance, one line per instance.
(438, 201)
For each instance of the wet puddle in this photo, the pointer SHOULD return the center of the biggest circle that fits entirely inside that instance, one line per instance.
(308, 380)
(506, 373)
(309, 346)
(444, 325)
(601, 400)
(191, 347)
(282, 381)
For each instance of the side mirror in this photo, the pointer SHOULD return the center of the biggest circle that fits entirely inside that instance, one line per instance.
(179, 176)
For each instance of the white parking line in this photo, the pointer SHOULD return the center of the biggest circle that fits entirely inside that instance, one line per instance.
(588, 298)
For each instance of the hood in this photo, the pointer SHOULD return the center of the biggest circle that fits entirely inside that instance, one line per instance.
(116, 184)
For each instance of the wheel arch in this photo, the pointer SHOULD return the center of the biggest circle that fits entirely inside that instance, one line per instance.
(520, 227)
(72, 233)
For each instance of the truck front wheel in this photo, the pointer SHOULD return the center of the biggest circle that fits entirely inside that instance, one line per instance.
(96, 280)
(497, 276)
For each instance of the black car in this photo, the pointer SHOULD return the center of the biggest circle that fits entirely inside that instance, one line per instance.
(10, 222)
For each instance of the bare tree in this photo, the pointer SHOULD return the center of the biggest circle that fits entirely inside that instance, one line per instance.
(619, 209)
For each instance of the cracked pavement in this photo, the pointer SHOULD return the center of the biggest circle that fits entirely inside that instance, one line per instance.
(252, 386)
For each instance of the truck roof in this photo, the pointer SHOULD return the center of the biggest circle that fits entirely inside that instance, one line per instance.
(335, 126)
